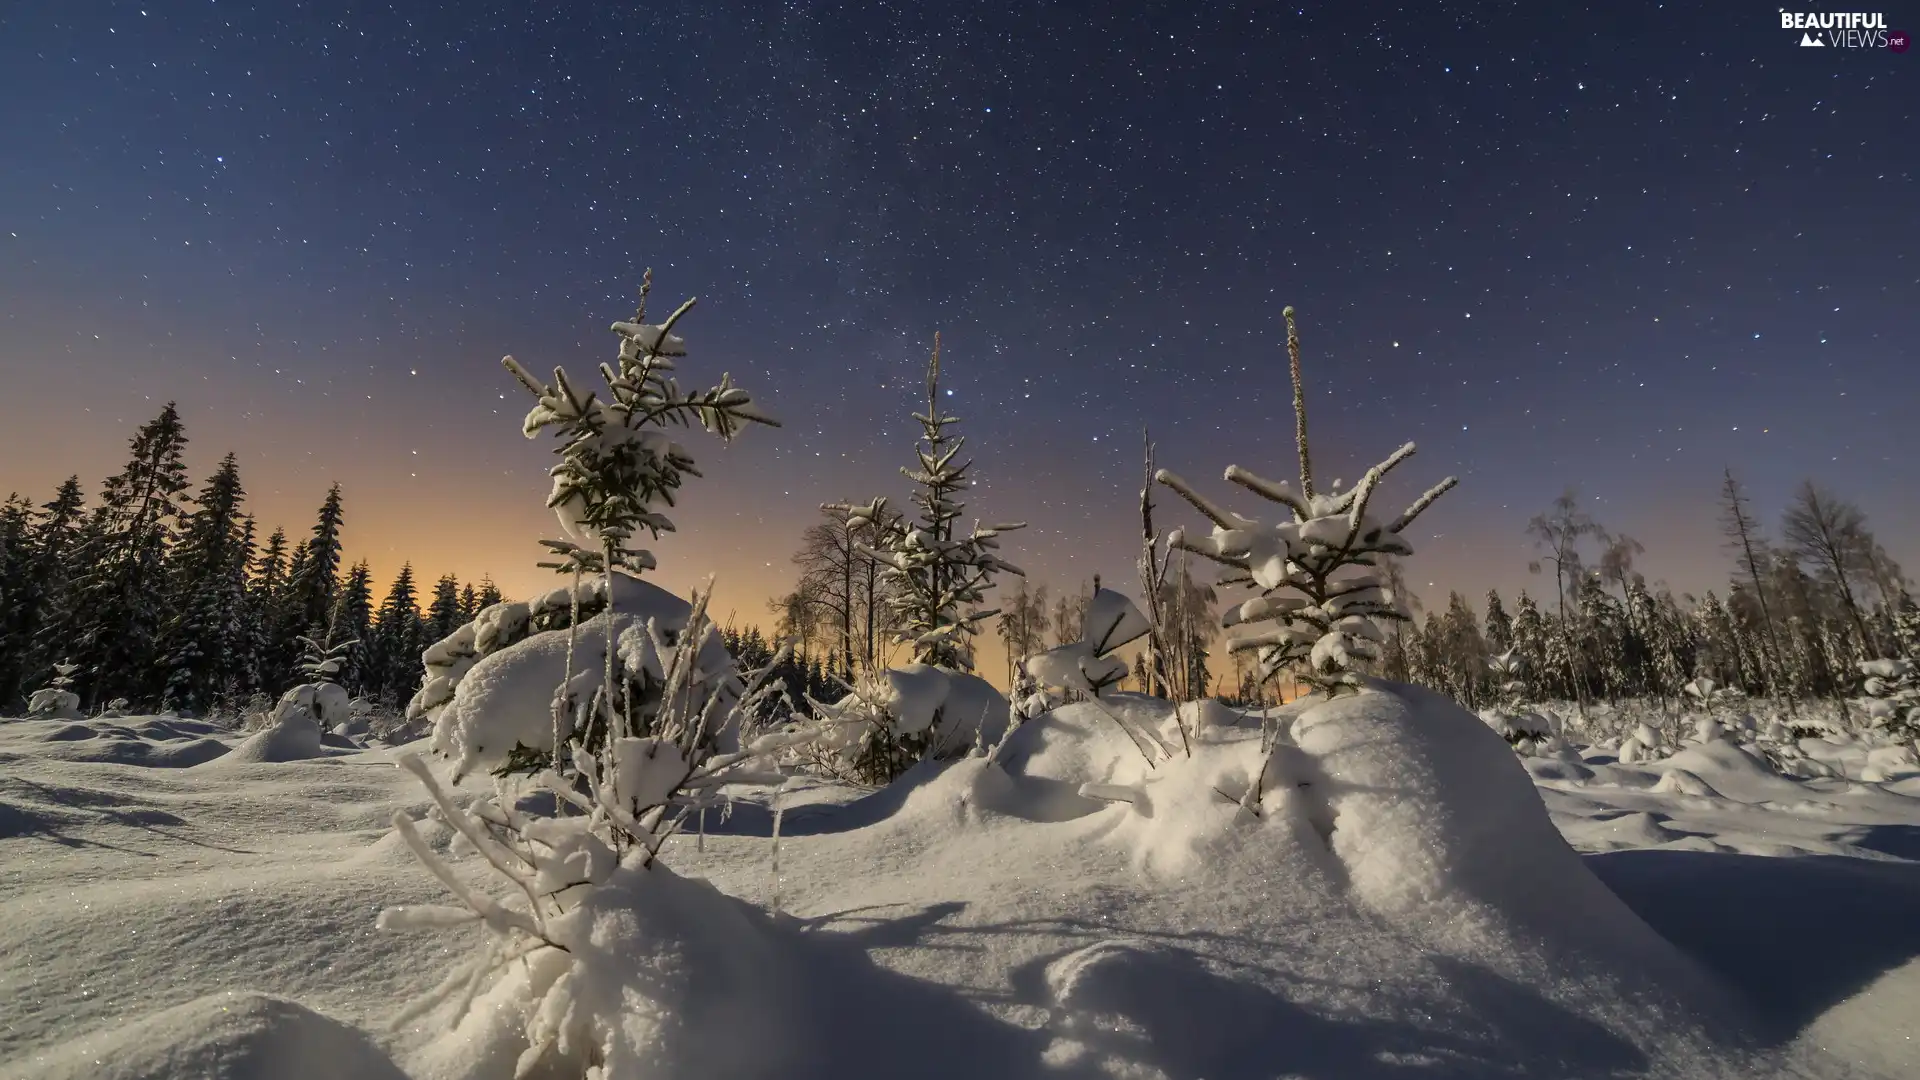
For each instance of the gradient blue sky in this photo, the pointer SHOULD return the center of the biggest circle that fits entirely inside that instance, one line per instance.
(1617, 247)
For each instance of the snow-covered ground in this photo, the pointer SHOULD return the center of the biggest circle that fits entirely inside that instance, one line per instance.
(171, 909)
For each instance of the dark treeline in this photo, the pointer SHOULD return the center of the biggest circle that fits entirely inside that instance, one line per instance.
(1802, 608)
(167, 596)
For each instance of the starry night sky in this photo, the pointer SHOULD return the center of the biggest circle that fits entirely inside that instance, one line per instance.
(1618, 248)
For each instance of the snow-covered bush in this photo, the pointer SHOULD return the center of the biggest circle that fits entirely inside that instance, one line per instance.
(899, 716)
(1319, 591)
(1526, 730)
(319, 701)
(494, 710)
(1088, 667)
(1893, 693)
(56, 700)
(563, 970)
(1645, 744)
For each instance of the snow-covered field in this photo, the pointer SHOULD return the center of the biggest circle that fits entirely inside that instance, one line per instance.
(171, 909)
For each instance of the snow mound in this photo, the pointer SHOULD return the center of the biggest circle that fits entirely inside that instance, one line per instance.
(1558, 770)
(1677, 781)
(1728, 771)
(1439, 827)
(671, 979)
(1081, 742)
(956, 706)
(162, 743)
(1638, 830)
(506, 698)
(230, 1036)
(295, 736)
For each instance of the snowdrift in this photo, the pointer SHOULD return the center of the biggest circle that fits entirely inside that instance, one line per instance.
(294, 736)
(161, 742)
(505, 698)
(1438, 826)
(1385, 894)
(232, 1036)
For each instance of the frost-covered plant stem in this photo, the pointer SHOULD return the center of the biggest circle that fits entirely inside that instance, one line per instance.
(1299, 404)
(609, 553)
(1153, 577)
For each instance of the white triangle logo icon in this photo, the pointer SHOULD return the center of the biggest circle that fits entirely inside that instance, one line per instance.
(1807, 40)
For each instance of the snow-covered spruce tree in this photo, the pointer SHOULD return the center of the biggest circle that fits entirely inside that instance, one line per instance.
(200, 649)
(352, 617)
(1893, 690)
(16, 600)
(42, 601)
(443, 611)
(619, 469)
(393, 664)
(1524, 730)
(318, 699)
(119, 606)
(1319, 592)
(56, 700)
(938, 579)
(936, 584)
(1530, 636)
(315, 578)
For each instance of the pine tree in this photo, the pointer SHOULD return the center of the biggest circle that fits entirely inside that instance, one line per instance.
(46, 604)
(249, 632)
(352, 620)
(1673, 645)
(443, 616)
(1499, 633)
(268, 579)
(204, 590)
(395, 643)
(17, 603)
(315, 579)
(1328, 555)
(1530, 635)
(1466, 653)
(1604, 638)
(619, 471)
(266, 601)
(118, 590)
(937, 580)
(1906, 631)
(489, 593)
(469, 603)
(1719, 657)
